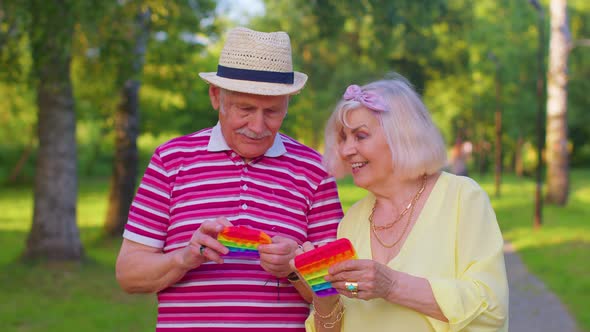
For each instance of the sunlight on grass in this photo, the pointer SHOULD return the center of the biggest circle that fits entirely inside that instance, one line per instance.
(17, 209)
(522, 238)
(92, 203)
(581, 195)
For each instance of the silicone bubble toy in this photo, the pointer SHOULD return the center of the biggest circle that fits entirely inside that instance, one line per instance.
(313, 265)
(242, 241)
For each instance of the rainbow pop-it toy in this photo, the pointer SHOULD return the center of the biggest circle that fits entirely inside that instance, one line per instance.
(242, 240)
(313, 265)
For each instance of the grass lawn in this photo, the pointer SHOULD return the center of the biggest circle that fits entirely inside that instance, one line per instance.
(85, 297)
(65, 297)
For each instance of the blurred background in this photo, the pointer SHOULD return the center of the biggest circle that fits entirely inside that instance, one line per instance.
(89, 88)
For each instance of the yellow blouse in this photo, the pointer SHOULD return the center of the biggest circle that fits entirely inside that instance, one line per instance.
(456, 245)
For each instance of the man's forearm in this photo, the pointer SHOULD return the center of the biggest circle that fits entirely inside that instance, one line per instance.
(141, 271)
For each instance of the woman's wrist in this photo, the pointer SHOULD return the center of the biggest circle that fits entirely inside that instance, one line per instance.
(393, 290)
(328, 311)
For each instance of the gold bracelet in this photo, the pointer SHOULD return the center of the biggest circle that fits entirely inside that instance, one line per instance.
(332, 313)
(331, 325)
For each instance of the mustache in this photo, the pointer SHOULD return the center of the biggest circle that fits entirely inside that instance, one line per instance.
(250, 134)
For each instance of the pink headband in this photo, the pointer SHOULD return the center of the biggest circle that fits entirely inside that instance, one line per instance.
(368, 99)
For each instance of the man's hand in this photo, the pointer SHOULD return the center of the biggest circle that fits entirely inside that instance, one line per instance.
(192, 255)
(275, 257)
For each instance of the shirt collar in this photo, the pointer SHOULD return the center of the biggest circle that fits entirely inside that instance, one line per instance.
(217, 143)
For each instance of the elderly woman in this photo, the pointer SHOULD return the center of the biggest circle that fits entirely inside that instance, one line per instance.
(428, 244)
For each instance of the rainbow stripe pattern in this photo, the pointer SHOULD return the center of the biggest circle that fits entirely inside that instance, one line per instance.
(313, 265)
(242, 241)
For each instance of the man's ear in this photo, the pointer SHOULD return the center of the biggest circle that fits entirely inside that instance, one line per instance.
(214, 92)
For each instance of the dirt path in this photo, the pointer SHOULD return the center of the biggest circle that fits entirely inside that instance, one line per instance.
(533, 308)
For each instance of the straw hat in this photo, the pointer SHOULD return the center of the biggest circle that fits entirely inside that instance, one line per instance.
(257, 63)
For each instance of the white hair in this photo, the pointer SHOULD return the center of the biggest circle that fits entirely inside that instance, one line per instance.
(416, 144)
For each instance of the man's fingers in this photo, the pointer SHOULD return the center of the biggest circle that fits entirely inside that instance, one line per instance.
(279, 246)
(212, 255)
(206, 236)
(281, 249)
(212, 244)
(275, 249)
(223, 221)
(307, 246)
(276, 270)
(211, 228)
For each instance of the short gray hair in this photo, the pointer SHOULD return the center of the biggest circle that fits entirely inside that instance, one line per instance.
(416, 144)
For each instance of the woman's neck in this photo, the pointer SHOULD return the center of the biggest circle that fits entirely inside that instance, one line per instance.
(397, 192)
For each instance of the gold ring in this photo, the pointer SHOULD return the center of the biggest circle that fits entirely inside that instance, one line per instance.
(353, 287)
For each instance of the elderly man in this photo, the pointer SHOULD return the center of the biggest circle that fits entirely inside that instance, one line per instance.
(240, 172)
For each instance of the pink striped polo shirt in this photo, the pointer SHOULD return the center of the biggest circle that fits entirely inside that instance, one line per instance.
(197, 177)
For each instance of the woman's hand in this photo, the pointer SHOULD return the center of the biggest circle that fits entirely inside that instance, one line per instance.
(373, 279)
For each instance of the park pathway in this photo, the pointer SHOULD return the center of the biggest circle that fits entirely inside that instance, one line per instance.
(533, 308)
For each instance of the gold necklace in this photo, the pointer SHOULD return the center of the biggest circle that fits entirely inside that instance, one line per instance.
(401, 215)
(388, 226)
(410, 208)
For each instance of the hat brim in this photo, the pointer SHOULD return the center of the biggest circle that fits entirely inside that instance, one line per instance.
(257, 88)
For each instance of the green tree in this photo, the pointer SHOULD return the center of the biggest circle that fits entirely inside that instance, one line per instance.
(17, 94)
(126, 119)
(112, 52)
(343, 42)
(579, 85)
(124, 176)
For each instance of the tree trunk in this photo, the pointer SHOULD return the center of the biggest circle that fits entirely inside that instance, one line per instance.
(483, 163)
(498, 131)
(518, 164)
(538, 219)
(54, 233)
(123, 180)
(22, 161)
(557, 79)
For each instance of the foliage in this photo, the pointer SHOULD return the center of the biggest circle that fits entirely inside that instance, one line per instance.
(106, 58)
(579, 85)
(442, 46)
(452, 51)
(333, 39)
(102, 60)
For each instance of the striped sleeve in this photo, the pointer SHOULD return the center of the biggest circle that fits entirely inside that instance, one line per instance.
(149, 215)
(325, 212)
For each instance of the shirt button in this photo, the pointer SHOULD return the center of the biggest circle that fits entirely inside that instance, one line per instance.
(245, 187)
(245, 169)
(233, 154)
(244, 206)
